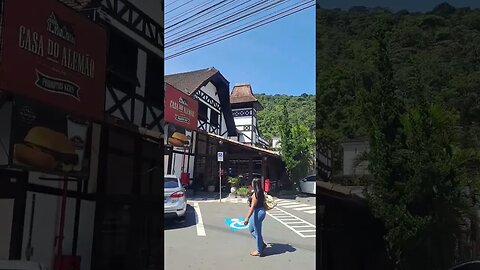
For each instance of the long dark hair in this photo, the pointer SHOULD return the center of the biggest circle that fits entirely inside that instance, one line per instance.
(258, 189)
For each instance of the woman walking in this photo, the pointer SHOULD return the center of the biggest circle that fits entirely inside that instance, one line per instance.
(256, 215)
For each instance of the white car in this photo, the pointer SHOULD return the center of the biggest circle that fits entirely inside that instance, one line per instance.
(175, 200)
(21, 265)
(308, 184)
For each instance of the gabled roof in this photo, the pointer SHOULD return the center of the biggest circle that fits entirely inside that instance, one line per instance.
(189, 82)
(192, 81)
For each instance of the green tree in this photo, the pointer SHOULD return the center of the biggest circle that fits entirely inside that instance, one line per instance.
(421, 180)
(296, 146)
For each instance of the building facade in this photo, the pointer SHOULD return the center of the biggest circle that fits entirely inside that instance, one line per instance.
(245, 107)
(218, 130)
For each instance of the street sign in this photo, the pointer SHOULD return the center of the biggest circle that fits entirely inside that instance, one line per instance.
(235, 224)
(220, 156)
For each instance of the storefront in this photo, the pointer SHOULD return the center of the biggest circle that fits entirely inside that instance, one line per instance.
(181, 116)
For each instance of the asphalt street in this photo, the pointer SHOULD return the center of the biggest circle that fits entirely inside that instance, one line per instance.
(205, 242)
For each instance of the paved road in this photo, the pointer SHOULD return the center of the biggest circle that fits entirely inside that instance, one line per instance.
(189, 245)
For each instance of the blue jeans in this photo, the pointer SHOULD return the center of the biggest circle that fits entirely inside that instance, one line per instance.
(255, 226)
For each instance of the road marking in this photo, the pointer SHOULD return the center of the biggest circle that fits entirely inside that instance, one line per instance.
(301, 226)
(292, 228)
(311, 211)
(308, 231)
(199, 220)
(287, 203)
(298, 205)
(305, 208)
(235, 224)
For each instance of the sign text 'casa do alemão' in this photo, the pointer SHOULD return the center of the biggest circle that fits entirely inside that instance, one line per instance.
(54, 55)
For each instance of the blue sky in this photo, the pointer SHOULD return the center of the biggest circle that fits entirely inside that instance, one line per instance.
(277, 58)
(395, 5)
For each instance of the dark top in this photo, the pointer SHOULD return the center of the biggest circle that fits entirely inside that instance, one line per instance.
(260, 202)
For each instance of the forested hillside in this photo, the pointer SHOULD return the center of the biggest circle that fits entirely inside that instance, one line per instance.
(410, 83)
(301, 110)
(440, 48)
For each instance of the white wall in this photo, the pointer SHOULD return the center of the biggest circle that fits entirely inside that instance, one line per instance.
(5, 128)
(45, 228)
(211, 91)
(6, 213)
(350, 152)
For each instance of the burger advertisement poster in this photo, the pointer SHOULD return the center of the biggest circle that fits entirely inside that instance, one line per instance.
(45, 140)
(180, 109)
(48, 55)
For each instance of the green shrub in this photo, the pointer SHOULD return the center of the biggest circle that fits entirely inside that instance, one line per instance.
(234, 181)
(243, 191)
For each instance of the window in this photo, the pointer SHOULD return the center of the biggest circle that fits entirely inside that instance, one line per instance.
(122, 59)
(202, 111)
(312, 178)
(214, 118)
(171, 182)
(154, 92)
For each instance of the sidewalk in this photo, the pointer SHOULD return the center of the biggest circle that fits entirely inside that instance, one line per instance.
(202, 196)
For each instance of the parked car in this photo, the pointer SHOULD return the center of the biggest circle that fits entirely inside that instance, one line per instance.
(21, 265)
(308, 184)
(175, 200)
(472, 265)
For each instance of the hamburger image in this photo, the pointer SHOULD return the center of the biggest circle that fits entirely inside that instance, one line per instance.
(46, 149)
(178, 139)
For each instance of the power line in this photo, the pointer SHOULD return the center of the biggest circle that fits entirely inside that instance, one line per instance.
(178, 7)
(228, 22)
(233, 29)
(271, 19)
(167, 21)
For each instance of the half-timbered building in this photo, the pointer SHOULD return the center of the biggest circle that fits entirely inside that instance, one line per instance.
(218, 131)
(245, 107)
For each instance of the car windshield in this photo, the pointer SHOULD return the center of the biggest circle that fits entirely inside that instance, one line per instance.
(312, 178)
(170, 182)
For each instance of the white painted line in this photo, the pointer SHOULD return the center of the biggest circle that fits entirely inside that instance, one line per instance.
(296, 222)
(311, 211)
(287, 203)
(291, 227)
(305, 208)
(300, 205)
(308, 236)
(285, 219)
(307, 231)
(199, 220)
(301, 226)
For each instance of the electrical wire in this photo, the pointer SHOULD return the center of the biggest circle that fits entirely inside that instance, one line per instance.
(257, 24)
(185, 13)
(202, 22)
(228, 22)
(232, 30)
(223, 22)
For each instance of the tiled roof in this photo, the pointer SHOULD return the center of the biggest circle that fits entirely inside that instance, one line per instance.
(188, 82)
(242, 93)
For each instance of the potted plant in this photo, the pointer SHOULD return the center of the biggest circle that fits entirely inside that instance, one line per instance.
(211, 185)
(234, 182)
